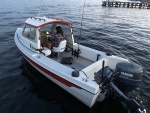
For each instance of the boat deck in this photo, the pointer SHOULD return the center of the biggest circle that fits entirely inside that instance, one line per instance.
(78, 63)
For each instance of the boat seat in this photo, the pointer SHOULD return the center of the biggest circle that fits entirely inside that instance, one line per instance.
(60, 48)
(46, 51)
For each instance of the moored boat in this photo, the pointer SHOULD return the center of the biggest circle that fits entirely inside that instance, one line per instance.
(86, 73)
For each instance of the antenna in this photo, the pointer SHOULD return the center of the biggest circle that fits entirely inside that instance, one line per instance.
(81, 24)
(40, 9)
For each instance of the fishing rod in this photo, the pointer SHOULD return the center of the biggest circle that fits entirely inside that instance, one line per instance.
(81, 25)
(77, 52)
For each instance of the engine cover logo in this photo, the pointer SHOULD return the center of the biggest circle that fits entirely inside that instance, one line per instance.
(127, 74)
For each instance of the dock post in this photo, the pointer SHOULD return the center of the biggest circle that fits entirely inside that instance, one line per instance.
(103, 3)
(124, 4)
(140, 5)
(148, 7)
(128, 5)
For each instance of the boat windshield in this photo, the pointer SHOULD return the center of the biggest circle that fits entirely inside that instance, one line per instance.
(51, 29)
(46, 29)
(30, 33)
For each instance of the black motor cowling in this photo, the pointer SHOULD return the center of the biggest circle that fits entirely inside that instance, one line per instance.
(128, 76)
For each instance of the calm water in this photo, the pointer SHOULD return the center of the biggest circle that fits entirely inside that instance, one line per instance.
(121, 31)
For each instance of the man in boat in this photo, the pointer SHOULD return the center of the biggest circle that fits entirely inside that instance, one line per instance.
(58, 37)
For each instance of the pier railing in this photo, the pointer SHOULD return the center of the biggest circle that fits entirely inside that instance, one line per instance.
(126, 4)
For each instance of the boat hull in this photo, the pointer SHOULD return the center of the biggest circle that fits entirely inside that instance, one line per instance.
(32, 57)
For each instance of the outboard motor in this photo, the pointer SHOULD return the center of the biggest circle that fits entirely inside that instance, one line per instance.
(128, 76)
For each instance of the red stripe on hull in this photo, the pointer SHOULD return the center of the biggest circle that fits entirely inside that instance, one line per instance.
(65, 82)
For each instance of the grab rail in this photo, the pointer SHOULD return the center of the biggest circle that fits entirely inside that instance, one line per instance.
(39, 18)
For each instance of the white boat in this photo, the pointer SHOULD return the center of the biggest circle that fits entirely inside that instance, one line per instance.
(87, 71)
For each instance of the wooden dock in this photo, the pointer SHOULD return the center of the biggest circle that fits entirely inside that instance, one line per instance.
(126, 4)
